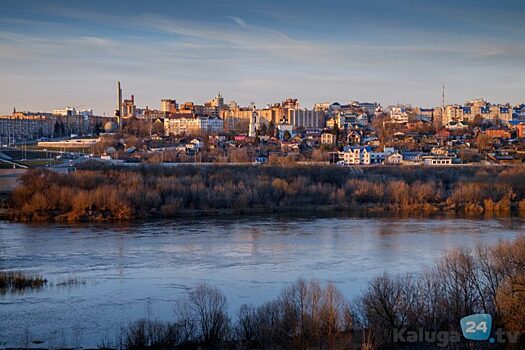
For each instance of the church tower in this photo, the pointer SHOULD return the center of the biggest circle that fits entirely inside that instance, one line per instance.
(254, 123)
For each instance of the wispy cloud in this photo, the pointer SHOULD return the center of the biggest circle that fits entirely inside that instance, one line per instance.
(191, 58)
(239, 21)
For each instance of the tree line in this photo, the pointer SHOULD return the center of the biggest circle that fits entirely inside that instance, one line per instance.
(102, 192)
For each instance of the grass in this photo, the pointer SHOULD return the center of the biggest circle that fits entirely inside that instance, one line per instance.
(11, 281)
(70, 281)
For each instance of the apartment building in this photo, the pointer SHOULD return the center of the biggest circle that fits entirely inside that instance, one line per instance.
(238, 118)
(302, 118)
(479, 107)
(191, 124)
(26, 126)
(235, 118)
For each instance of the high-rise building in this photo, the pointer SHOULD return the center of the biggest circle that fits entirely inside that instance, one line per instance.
(168, 106)
(302, 118)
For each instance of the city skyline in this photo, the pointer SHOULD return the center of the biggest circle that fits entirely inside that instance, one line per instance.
(54, 54)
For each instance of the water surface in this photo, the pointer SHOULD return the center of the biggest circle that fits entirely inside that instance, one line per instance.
(141, 269)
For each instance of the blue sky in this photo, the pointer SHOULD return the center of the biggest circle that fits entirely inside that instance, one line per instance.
(57, 53)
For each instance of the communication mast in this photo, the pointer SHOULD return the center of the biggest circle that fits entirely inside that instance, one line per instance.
(443, 98)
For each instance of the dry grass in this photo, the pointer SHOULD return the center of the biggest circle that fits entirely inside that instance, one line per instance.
(18, 280)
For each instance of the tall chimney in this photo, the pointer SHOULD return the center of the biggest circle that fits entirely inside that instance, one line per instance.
(119, 106)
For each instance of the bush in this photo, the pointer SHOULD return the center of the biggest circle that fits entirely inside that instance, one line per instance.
(103, 192)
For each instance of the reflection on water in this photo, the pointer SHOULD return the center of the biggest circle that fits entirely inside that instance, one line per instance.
(125, 271)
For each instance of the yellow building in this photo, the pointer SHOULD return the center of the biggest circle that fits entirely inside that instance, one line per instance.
(168, 106)
(474, 108)
(328, 139)
(191, 124)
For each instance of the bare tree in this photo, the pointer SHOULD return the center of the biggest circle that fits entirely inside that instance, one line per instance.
(205, 313)
(335, 318)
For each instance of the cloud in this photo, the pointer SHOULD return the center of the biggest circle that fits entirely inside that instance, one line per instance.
(239, 21)
(157, 55)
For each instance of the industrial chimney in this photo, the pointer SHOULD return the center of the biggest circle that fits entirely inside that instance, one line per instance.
(118, 111)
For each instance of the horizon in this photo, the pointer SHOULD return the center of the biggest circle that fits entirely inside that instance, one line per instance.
(54, 55)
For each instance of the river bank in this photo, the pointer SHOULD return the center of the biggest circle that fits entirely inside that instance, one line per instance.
(102, 193)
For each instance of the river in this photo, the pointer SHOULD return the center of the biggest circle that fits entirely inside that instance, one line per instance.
(140, 269)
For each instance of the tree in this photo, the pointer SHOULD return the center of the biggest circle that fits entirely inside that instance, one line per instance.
(59, 128)
(205, 313)
(483, 141)
(335, 130)
(238, 155)
(271, 129)
(509, 258)
(98, 128)
(320, 155)
(157, 128)
(335, 316)
(263, 130)
(477, 121)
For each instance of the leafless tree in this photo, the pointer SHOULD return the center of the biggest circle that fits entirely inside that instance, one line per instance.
(204, 314)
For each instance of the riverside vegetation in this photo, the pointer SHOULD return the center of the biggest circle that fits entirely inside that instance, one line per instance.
(311, 315)
(101, 192)
(18, 281)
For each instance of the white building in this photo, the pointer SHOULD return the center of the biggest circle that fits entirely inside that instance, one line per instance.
(368, 107)
(86, 112)
(65, 112)
(283, 127)
(437, 160)
(76, 143)
(214, 125)
(358, 155)
(456, 125)
(398, 115)
(254, 123)
(394, 158)
(72, 112)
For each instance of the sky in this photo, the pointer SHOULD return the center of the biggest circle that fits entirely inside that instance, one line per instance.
(58, 53)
